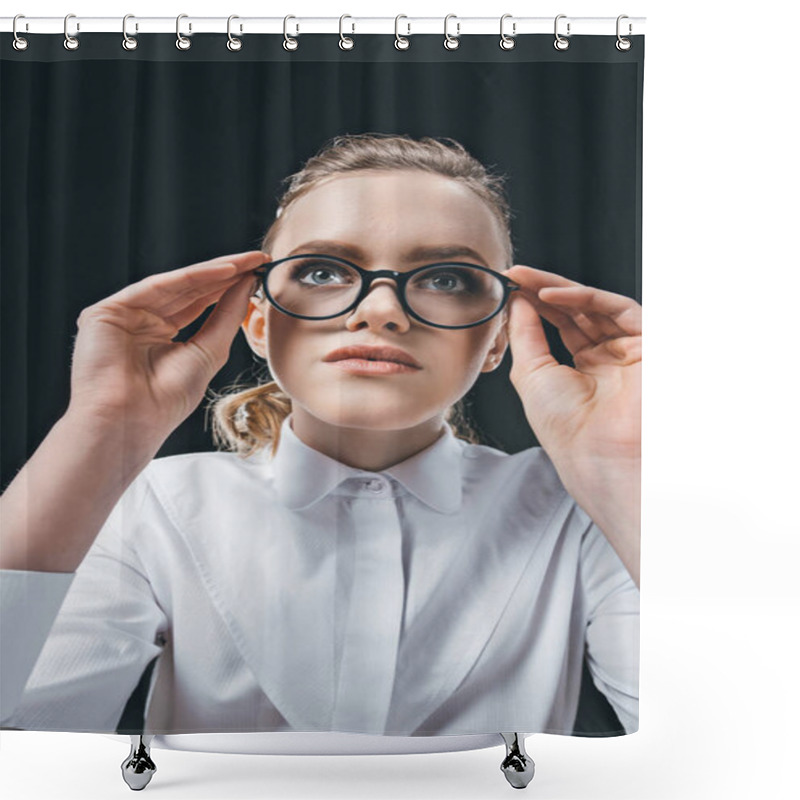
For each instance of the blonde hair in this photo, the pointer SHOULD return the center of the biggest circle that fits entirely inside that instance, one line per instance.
(247, 419)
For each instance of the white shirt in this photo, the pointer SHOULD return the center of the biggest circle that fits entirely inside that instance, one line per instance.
(453, 593)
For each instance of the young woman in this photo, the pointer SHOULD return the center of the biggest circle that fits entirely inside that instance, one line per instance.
(353, 562)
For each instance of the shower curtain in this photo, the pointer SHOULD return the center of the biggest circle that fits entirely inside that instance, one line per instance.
(363, 575)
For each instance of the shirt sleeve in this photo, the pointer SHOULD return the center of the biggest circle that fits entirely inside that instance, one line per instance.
(612, 632)
(29, 602)
(74, 646)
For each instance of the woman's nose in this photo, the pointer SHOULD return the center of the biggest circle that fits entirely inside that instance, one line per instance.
(380, 306)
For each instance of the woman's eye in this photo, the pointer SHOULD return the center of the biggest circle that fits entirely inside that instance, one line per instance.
(446, 281)
(320, 275)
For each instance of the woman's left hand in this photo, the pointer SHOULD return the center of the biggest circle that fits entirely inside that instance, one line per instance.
(586, 417)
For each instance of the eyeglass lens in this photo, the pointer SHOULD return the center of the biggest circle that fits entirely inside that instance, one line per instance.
(444, 294)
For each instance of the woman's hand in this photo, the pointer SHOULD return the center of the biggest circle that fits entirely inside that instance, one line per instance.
(126, 366)
(587, 418)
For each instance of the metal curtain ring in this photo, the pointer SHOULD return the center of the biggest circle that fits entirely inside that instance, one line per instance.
(288, 42)
(451, 42)
(561, 43)
(182, 43)
(128, 42)
(623, 44)
(400, 42)
(233, 44)
(70, 42)
(20, 43)
(345, 42)
(507, 42)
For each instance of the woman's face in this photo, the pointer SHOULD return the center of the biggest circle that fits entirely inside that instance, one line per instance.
(381, 217)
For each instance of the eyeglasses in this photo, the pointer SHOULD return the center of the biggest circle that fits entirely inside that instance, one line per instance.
(444, 295)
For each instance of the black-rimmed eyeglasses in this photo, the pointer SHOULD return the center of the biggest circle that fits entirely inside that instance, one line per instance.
(444, 295)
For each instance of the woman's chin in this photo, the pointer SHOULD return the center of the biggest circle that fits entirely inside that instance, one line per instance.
(366, 412)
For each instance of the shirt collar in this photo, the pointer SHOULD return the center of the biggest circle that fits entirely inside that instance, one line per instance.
(303, 475)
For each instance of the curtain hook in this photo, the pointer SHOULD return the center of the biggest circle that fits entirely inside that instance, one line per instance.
(233, 43)
(345, 42)
(451, 42)
(561, 43)
(182, 43)
(400, 42)
(128, 42)
(70, 42)
(288, 42)
(623, 44)
(507, 42)
(20, 43)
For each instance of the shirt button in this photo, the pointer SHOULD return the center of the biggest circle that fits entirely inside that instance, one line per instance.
(374, 485)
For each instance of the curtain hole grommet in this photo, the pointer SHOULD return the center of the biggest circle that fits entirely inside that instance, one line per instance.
(451, 42)
(560, 42)
(401, 42)
(233, 44)
(71, 42)
(507, 42)
(129, 42)
(622, 44)
(288, 42)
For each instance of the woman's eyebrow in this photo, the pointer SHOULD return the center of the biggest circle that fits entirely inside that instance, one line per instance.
(421, 253)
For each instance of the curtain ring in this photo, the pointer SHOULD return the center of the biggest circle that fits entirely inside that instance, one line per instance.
(451, 42)
(70, 42)
(623, 44)
(561, 43)
(507, 42)
(233, 44)
(20, 43)
(345, 42)
(128, 42)
(400, 42)
(288, 42)
(182, 43)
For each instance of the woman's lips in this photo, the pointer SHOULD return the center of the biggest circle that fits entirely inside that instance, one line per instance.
(362, 366)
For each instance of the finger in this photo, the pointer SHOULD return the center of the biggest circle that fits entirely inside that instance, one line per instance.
(595, 328)
(180, 304)
(534, 279)
(185, 316)
(157, 292)
(617, 312)
(573, 337)
(529, 347)
(620, 351)
(218, 331)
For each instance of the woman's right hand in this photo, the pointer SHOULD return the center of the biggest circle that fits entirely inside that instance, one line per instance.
(126, 366)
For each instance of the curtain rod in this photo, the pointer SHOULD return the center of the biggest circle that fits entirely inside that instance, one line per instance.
(456, 26)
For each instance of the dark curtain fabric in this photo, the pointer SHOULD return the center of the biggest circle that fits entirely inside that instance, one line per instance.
(116, 165)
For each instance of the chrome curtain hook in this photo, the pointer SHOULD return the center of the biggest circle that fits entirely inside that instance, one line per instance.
(70, 42)
(451, 42)
(129, 42)
(345, 42)
(623, 44)
(400, 42)
(288, 42)
(182, 43)
(560, 42)
(507, 42)
(233, 44)
(20, 43)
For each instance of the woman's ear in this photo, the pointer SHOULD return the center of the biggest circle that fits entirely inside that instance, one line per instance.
(498, 349)
(255, 328)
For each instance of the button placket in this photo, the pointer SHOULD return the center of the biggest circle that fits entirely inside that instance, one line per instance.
(374, 619)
